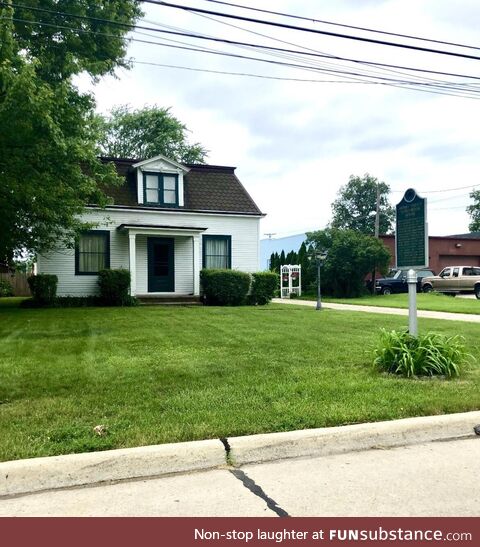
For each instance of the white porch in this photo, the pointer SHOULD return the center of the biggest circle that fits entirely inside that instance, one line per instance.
(186, 261)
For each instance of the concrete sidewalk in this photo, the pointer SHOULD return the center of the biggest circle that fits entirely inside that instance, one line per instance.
(431, 479)
(386, 311)
(410, 467)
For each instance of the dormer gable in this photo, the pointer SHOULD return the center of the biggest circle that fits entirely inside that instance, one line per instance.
(160, 182)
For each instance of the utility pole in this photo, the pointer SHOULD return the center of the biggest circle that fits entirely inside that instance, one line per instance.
(377, 212)
(377, 234)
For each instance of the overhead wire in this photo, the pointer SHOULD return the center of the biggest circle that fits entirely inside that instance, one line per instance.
(440, 191)
(343, 25)
(451, 86)
(316, 54)
(383, 66)
(314, 31)
(201, 36)
(440, 88)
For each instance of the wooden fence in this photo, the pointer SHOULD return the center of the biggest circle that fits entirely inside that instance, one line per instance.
(18, 281)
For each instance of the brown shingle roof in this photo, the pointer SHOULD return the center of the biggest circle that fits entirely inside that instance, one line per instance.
(206, 188)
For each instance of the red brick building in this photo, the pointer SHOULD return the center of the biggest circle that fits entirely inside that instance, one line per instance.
(462, 249)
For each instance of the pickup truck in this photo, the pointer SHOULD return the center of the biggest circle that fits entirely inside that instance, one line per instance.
(454, 280)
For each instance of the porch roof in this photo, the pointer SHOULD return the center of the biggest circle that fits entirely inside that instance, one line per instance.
(159, 228)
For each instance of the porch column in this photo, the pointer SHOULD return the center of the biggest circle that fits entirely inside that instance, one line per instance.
(132, 259)
(196, 264)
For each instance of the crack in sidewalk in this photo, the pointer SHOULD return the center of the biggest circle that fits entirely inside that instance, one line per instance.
(257, 490)
(249, 483)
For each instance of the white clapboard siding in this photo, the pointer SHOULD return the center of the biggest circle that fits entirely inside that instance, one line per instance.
(243, 230)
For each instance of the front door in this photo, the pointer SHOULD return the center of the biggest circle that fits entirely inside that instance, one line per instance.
(161, 275)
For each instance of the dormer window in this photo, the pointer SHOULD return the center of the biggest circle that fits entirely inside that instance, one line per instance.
(160, 189)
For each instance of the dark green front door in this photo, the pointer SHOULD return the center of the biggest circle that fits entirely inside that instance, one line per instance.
(161, 275)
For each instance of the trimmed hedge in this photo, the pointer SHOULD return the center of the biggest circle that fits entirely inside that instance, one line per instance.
(225, 287)
(264, 285)
(115, 287)
(43, 288)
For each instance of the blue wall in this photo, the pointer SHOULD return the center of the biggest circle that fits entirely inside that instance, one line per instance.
(287, 244)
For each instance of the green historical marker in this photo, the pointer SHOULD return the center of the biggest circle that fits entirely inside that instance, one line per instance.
(411, 234)
(411, 246)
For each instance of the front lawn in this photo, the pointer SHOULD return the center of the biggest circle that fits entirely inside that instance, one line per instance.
(164, 374)
(430, 302)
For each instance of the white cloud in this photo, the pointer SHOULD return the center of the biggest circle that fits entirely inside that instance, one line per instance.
(296, 143)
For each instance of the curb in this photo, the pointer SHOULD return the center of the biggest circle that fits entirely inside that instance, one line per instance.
(350, 438)
(50, 473)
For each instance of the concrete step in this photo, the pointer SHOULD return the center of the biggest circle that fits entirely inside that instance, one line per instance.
(169, 300)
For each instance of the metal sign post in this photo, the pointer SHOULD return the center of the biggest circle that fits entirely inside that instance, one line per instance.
(411, 246)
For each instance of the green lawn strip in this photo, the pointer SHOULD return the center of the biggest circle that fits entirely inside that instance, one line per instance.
(430, 302)
(163, 374)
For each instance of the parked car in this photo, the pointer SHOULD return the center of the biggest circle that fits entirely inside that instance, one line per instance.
(454, 280)
(396, 281)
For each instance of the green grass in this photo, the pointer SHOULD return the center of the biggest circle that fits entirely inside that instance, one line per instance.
(430, 302)
(162, 374)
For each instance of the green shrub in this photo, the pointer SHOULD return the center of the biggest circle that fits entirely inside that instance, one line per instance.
(264, 285)
(43, 288)
(426, 355)
(5, 288)
(225, 287)
(114, 288)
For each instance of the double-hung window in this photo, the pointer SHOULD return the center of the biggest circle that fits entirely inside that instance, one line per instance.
(217, 252)
(160, 189)
(92, 252)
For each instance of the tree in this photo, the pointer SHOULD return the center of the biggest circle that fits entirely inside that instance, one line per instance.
(308, 267)
(48, 153)
(474, 212)
(351, 256)
(274, 262)
(147, 132)
(355, 207)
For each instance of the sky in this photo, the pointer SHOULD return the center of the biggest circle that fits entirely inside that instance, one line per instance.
(296, 143)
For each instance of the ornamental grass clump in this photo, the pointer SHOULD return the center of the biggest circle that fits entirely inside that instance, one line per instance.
(425, 355)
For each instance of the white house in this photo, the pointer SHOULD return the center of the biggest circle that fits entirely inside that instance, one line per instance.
(166, 223)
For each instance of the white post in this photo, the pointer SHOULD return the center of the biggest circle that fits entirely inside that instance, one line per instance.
(412, 302)
(299, 280)
(196, 264)
(289, 281)
(281, 282)
(132, 259)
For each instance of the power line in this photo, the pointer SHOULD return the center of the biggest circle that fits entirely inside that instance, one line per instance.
(247, 74)
(308, 54)
(314, 31)
(269, 37)
(366, 29)
(441, 88)
(442, 85)
(436, 88)
(439, 191)
(236, 43)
